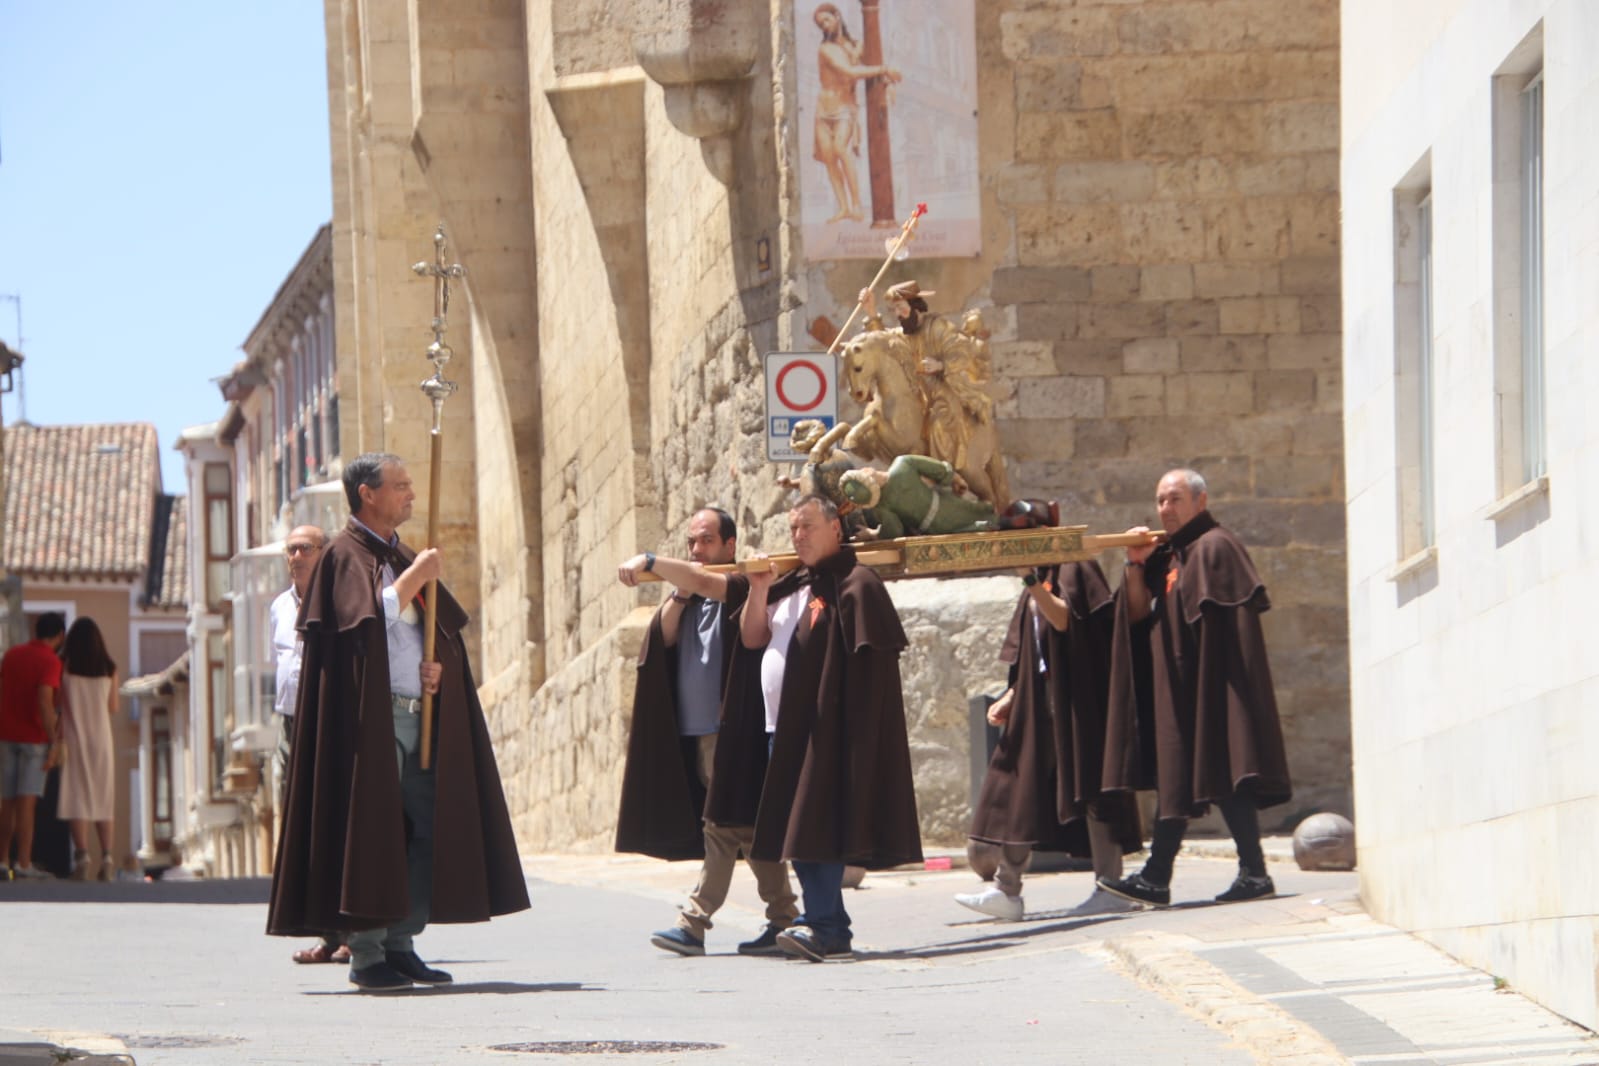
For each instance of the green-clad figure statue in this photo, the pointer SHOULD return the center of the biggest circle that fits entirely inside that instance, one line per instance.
(915, 496)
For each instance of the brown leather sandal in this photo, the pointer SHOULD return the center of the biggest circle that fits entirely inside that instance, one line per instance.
(320, 953)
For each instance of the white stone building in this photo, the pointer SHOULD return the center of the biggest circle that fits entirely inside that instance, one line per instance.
(1471, 237)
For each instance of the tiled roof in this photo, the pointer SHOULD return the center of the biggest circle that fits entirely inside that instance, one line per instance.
(80, 499)
(167, 583)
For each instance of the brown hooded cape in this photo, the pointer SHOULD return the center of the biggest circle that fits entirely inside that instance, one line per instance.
(1193, 713)
(1044, 774)
(662, 798)
(839, 786)
(341, 857)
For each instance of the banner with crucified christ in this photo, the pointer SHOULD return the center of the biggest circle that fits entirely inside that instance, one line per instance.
(887, 118)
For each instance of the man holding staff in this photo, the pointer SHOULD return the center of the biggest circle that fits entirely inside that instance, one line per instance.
(373, 844)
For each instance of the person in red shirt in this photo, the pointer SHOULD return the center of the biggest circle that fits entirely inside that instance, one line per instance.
(30, 686)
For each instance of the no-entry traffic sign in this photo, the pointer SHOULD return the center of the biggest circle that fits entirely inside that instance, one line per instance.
(799, 385)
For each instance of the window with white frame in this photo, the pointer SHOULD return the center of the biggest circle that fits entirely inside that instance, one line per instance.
(1414, 384)
(1520, 432)
(1533, 458)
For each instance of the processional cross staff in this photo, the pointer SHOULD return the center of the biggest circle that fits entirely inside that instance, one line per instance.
(437, 390)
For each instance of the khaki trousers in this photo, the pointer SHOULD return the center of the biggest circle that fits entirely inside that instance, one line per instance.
(723, 845)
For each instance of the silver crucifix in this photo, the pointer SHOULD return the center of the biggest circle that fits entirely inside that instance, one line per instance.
(436, 388)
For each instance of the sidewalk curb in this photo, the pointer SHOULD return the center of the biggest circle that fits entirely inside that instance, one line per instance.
(27, 1047)
(1164, 963)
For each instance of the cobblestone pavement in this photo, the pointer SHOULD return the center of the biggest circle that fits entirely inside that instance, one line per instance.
(181, 974)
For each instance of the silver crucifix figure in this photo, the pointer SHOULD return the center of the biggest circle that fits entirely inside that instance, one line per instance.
(436, 388)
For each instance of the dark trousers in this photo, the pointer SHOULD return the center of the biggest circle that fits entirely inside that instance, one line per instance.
(368, 946)
(822, 894)
(1243, 822)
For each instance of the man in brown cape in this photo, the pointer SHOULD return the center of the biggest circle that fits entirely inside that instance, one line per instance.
(1042, 789)
(1192, 710)
(816, 686)
(372, 844)
(671, 747)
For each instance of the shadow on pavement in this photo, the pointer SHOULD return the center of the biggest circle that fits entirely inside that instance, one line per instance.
(1006, 935)
(251, 890)
(481, 988)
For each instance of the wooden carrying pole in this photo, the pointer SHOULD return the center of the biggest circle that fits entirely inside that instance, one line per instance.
(963, 553)
(437, 390)
(431, 597)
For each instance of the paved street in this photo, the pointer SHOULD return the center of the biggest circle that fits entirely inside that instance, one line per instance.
(180, 974)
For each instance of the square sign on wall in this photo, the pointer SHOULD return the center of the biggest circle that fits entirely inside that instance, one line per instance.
(799, 385)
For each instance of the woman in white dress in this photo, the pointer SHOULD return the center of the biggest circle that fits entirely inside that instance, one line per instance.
(88, 776)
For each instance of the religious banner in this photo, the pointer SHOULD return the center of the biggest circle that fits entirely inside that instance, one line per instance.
(887, 119)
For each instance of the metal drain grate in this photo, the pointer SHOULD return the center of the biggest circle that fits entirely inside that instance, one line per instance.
(605, 1047)
(149, 1041)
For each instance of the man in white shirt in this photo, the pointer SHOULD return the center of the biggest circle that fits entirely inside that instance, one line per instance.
(302, 549)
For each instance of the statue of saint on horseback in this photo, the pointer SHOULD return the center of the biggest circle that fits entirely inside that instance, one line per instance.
(920, 384)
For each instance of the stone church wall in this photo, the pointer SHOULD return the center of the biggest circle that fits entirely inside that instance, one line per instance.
(1159, 270)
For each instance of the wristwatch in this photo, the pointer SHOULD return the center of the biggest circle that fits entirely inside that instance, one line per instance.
(649, 562)
(1029, 580)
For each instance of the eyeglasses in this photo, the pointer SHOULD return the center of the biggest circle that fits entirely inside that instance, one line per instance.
(301, 549)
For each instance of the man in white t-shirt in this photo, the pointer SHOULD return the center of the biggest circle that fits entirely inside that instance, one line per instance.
(822, 642)
(302, 548)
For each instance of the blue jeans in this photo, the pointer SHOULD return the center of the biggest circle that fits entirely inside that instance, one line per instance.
(822, 894)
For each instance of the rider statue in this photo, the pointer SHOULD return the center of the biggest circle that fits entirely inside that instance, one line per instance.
(950, 364)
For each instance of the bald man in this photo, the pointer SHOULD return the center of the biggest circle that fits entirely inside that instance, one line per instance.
(1193, 713)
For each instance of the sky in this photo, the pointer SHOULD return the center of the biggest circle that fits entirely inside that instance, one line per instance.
(162, 167)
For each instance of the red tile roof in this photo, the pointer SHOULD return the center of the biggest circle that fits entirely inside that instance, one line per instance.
(80, 500)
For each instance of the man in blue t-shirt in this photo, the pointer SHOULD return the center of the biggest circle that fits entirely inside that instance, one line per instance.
(691, 637)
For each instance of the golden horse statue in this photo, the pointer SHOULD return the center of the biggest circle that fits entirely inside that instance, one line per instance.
(906, 413)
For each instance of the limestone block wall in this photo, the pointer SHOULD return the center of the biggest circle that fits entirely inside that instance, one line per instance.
(429, 123)
(563, 771)
(649, 321)
(1160, 272)
(1160, 205)
(1473, 696)
(956, 628)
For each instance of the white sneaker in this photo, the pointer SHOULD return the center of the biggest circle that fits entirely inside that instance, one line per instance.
(994, 903)
(1102, 902)
(31, 873)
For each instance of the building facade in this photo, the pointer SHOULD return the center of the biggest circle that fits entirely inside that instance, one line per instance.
(271, 462)
(1472, 249)
(1158, 267)
(91, 534)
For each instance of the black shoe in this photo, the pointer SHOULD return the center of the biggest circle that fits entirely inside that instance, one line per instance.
(765, 944)
(1248, 886)
(679, 940)
(1137, 889)
(379, 977)
(803, 943)
(409, 966)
